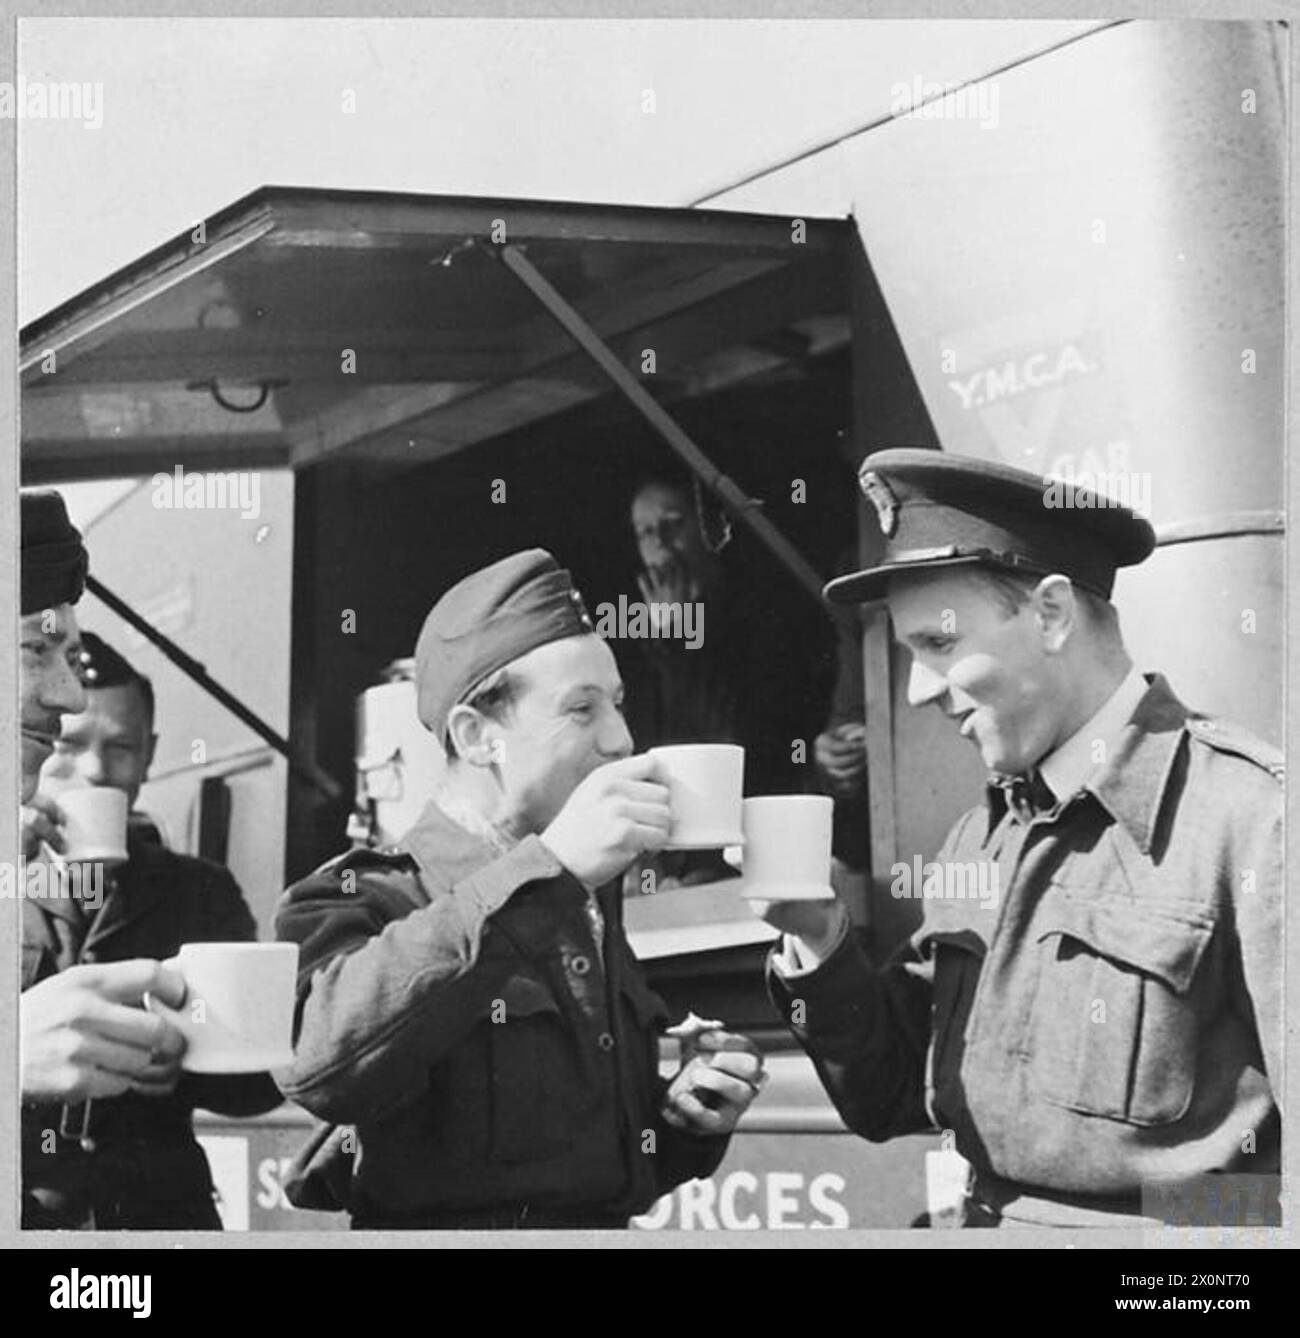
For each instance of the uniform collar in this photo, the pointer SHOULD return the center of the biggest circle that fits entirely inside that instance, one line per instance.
(444, 850)
(1068, 767)
(445, 853)
(130, 892)
(1131, 784)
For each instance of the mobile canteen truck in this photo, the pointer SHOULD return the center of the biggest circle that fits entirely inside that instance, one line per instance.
(1072, 262)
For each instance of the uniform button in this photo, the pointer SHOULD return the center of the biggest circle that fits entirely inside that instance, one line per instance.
(580, 965)
(605, 1041)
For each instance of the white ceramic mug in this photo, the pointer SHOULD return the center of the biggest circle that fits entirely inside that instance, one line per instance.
(238, 1009)
(788, 847)
(705, 784)
(95, 826)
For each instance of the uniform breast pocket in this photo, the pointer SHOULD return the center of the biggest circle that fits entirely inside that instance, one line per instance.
(958, 959)
(535, 1083)
(1114, 1028)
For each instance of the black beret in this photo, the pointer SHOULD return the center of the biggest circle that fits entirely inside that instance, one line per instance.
(54, 560)
(942, 510)
(488, 620)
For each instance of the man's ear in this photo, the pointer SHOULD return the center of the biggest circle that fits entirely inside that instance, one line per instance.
(150, 748)
(1056, 611)
(470, 732)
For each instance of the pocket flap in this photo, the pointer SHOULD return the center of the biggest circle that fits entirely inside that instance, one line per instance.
(1149, 939)
(967, 939)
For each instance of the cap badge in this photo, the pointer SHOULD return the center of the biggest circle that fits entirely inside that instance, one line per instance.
(580, 609)
(881, 496)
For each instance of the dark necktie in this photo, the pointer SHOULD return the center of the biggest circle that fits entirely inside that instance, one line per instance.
(1028, 795)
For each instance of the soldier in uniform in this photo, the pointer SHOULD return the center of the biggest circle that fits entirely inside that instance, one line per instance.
(1108, 1039)
(131, 1162)
(468, 1002)
(85, 1035)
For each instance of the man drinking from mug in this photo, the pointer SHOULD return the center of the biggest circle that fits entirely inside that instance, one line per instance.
(1111, 1030)
(468, 1000)
(83, 1030)
(126, 1160)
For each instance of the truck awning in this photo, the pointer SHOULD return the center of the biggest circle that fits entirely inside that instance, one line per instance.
(303, 325)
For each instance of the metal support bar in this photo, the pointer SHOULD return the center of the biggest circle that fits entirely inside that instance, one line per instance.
(301, 766)
(725, 489)
(1233, 525)
(876, 363)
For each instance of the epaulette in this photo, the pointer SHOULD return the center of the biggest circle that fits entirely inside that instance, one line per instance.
(365, 857)
(1225, 737)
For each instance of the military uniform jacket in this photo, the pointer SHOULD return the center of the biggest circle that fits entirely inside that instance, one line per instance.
(145, 1169)
(1115, 1022)
(454, 1008)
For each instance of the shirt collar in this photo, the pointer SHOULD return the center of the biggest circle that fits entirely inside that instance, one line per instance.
(1068, 767)
(1132, 782)
(442, 849)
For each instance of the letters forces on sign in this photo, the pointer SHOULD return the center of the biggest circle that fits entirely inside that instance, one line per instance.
(747, 1201)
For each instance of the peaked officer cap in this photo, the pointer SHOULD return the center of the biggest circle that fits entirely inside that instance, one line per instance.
(942, 510)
